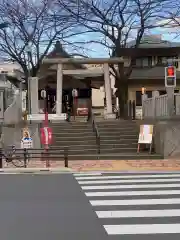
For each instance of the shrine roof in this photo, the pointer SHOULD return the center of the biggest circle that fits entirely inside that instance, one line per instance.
(151, 45)
(154, 41)
(59, 52)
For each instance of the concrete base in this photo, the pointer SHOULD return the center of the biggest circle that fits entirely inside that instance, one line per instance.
(109, 116)
(41, 117)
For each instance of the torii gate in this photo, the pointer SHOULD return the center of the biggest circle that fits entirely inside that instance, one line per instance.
(58, 62)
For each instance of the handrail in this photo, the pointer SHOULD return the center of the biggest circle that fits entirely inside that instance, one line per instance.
(95, 129)
(20, 157)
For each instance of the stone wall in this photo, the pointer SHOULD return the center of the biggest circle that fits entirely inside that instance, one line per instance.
(12, 135)
(166, 136)
(13, 114)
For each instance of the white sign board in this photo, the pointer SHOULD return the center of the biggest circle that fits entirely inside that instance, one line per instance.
(43, 93)
(145, 134)
(26, 141)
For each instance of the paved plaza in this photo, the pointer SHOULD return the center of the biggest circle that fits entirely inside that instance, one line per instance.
(109, 165)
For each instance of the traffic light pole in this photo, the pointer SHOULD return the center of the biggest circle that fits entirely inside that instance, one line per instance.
(170, 101)
(170, 84)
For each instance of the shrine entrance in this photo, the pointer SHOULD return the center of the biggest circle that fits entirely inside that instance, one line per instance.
(79, 79)
(82, 101)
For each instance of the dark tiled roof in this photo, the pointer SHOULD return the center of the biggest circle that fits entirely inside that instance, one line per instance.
(140, 52)
(154, 41)
(58, 51)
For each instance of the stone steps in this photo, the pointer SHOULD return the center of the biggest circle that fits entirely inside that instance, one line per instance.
(80, 151)
(69, 134)
(120, 137)
(119, 146)
(70, 137)
(76, 147)
(118, 140)
(72, 142)
(78, 137)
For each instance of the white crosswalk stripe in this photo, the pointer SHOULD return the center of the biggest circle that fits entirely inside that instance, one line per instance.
(124, 177)
(131, 204)
(86, 174)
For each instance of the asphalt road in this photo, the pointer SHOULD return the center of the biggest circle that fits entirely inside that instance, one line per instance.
(135, 206)
(46, 207)
(108, 206)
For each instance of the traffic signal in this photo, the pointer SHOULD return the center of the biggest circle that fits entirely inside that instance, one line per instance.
(170, 76)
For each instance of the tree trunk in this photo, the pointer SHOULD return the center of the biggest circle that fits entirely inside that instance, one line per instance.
(122, 94)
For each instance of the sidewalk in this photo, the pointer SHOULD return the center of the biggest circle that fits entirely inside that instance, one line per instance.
(109, 165)
(126, 165)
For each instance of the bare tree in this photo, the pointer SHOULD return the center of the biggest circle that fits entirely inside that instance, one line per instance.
(33, 26)
(116, 23)
(173, 22)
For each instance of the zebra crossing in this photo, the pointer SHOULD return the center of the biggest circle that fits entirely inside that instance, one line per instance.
(129, 204)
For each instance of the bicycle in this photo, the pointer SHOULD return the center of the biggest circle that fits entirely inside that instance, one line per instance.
(10, 156)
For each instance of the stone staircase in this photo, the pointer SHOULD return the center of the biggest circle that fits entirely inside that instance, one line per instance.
(118, 140)
(78, 137)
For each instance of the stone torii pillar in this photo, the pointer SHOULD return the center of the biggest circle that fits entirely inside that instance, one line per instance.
(59, 89)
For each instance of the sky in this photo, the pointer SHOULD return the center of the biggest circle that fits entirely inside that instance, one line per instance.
(169, 33)
(97, 50)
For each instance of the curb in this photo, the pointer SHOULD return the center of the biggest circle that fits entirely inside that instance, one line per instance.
(125, 171)
(35, 170)
(71, 171)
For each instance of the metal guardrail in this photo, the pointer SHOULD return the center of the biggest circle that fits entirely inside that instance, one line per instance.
(95, 129)
(21, 157)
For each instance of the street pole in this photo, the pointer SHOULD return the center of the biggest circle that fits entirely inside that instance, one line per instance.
(170, 84)
(46, 145)
(75, 99)
(46, 127)
(20, 97)
(29, 89)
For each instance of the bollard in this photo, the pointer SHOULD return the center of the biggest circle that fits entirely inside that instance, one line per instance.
(66, 157)
(1, 158)
(25, 157)
(130, 110)
(47, 156)
(134, 110)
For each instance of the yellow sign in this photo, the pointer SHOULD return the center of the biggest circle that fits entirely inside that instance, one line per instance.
(146, 133)
(26, 133)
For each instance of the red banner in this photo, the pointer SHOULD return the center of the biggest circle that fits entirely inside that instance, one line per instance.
(82, 111)
(46, 135)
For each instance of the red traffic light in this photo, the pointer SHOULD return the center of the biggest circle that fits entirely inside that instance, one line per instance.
(171, 71)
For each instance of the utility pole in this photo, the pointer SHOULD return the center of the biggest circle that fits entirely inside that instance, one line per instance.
(170, 84)
(29, 76)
